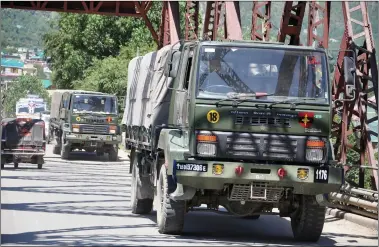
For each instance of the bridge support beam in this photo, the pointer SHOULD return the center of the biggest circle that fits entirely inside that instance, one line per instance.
(315, 21)
(192, 20)
(292, 20)
(350, 118)
(260, 22)
(169, 31)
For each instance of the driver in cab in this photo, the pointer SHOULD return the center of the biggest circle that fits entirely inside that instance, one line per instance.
(210, 80)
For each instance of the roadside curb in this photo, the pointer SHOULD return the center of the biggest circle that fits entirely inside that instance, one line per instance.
(355, 218)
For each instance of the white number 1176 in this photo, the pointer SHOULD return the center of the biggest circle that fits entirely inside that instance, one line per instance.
(321, 174)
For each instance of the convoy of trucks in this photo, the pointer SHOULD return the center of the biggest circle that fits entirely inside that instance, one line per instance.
(242, 125)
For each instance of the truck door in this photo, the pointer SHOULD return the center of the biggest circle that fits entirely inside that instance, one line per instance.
(181, 107)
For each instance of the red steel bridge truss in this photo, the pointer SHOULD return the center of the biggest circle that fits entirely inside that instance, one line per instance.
(350, 117)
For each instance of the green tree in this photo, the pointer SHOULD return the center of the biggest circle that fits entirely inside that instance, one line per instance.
(25, 28)
(84, 39)
(25, 85)
(110, 74)
(10, 50)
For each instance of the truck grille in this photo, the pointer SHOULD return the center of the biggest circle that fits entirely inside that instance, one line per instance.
(269, 121)
(264, 147)
(257, 191)
(94, 129)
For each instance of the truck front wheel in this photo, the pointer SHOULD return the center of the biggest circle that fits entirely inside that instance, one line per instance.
(307, 222)
(40, 162)
(141, 188)
(113, 154)
(170, 213)
(65, 150)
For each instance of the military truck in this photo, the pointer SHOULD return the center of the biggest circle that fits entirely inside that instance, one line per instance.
(240, 124)
(85, 120)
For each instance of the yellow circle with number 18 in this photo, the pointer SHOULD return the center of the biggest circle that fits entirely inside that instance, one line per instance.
(78, 119)
(213, 116)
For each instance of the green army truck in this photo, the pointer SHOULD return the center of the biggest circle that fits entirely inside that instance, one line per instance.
(240, 124)
(84, 120)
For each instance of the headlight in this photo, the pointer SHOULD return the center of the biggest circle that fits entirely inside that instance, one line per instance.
(206, 148)
(112, 129)
(206, 145)
(315, 150)
(75, 128)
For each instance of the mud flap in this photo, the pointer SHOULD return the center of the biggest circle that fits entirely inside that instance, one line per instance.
(182, 193)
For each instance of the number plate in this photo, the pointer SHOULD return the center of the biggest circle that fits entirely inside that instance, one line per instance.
(192, 167)
(321, 175)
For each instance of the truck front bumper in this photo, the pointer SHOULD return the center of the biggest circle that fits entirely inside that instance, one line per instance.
(82, 138)
(311, 180)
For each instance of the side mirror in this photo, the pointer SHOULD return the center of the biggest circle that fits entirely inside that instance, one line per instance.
(62, 113)
(349, 68)
(171, 69)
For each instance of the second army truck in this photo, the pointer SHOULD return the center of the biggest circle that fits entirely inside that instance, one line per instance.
(242, 125)
(85, 120)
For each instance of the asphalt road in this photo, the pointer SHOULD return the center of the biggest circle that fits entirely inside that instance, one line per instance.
(85, 201)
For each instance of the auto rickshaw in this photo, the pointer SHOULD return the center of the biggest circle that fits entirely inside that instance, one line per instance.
(23, 141)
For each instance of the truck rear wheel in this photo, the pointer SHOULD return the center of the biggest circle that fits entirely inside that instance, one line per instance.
(170, 213)
(141, 187)
(308, 221)
(113, 154)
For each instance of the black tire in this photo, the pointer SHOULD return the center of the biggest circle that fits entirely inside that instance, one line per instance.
(113, 154)
(2, 166)
(40, 162)
(308, 221)
(65, 151)
(15, 165)
(57, 150)
(143, 187)
(170, 213)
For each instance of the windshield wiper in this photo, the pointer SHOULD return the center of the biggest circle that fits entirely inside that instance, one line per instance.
(292, 102)
(237, 97)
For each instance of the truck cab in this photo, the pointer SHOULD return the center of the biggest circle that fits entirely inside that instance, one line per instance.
(87, 121)
(243, 125)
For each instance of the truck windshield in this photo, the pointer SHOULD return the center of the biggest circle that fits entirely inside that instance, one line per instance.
(95, 104)
(279, 73)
